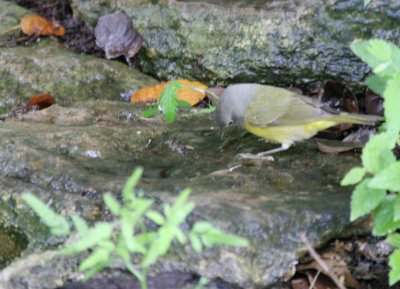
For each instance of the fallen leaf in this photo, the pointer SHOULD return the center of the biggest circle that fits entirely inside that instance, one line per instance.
(150, 94)
(40, 26)
(36, 102)
(335, 146)
(361, 136)
(373, 103)
(320, 280)
(336, 262)
(40, 101)
(339, 97)
(300, 283)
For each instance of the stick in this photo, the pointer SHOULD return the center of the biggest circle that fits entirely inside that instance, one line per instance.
(321, 262)
(314, 280)
(9, 30)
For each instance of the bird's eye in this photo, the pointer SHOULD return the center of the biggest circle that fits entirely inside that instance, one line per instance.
(230, 122)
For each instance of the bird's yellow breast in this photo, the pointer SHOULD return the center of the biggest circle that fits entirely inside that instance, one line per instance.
(286, 134)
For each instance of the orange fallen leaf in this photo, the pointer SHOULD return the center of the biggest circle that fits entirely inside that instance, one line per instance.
(36, 102)
(40, 101)
(151, 94)
(40, 26)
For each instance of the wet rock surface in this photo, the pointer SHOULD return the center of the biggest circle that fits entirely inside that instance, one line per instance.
(276, 42)
(71, 155)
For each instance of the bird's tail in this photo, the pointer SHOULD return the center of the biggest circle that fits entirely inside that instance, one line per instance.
(366, 119)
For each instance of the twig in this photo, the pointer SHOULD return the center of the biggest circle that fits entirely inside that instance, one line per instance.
(9, 30)
(317, 258)
(314, 280)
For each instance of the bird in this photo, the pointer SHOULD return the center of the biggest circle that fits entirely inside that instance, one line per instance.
(278, 115)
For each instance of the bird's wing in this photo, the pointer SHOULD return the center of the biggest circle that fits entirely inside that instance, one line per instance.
(302, 110)
(267, 106)
(277, 106)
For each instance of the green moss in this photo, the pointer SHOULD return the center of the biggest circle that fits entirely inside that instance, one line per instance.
(48, 67)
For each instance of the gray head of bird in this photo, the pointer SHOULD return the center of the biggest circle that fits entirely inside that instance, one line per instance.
(232, 105)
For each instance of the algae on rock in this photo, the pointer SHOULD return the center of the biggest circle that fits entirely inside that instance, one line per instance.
(275, 42)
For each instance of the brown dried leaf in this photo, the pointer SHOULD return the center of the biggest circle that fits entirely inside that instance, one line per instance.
(373, 103)
(40, 101)
(300, 283)
(335, 146)
(338, 96)
(36, 102)
(40, 26)
(337, 265)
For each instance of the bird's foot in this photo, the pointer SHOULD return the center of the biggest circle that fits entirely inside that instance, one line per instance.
(267, 155)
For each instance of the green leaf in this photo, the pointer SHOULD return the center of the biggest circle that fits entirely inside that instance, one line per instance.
(150, 112)
(129, 187)
(354, 176)
(127, 230)
(99, 256)
(123, 251)
(387, 179)
(112, 203)
(383, 218)
(382, 56)
(166, 209)
(107, 245)
(195, 242)
(168, 101)
(394, 240)
(376, 83)
(210, 109)
(366, 2)
(365, 199)
(184, 195)
(156, 217)
(201, 227)
(391, 104)
(96, 269)
(184, 103)
(219, 237)
(140, 207)
(377, 153)
(58, 224)
(146, 238)
(100, 232)
(180, 235)
(152, 255)
(180, 208)
(165, 237)
(394, 263)
(80, 225)
(396, 207)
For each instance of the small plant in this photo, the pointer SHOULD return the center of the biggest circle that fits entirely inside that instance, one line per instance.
(378, 180)
(127, 238)
(168, 103)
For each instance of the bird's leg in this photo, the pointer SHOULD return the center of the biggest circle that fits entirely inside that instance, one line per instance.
(283, 147)
(264, 155)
